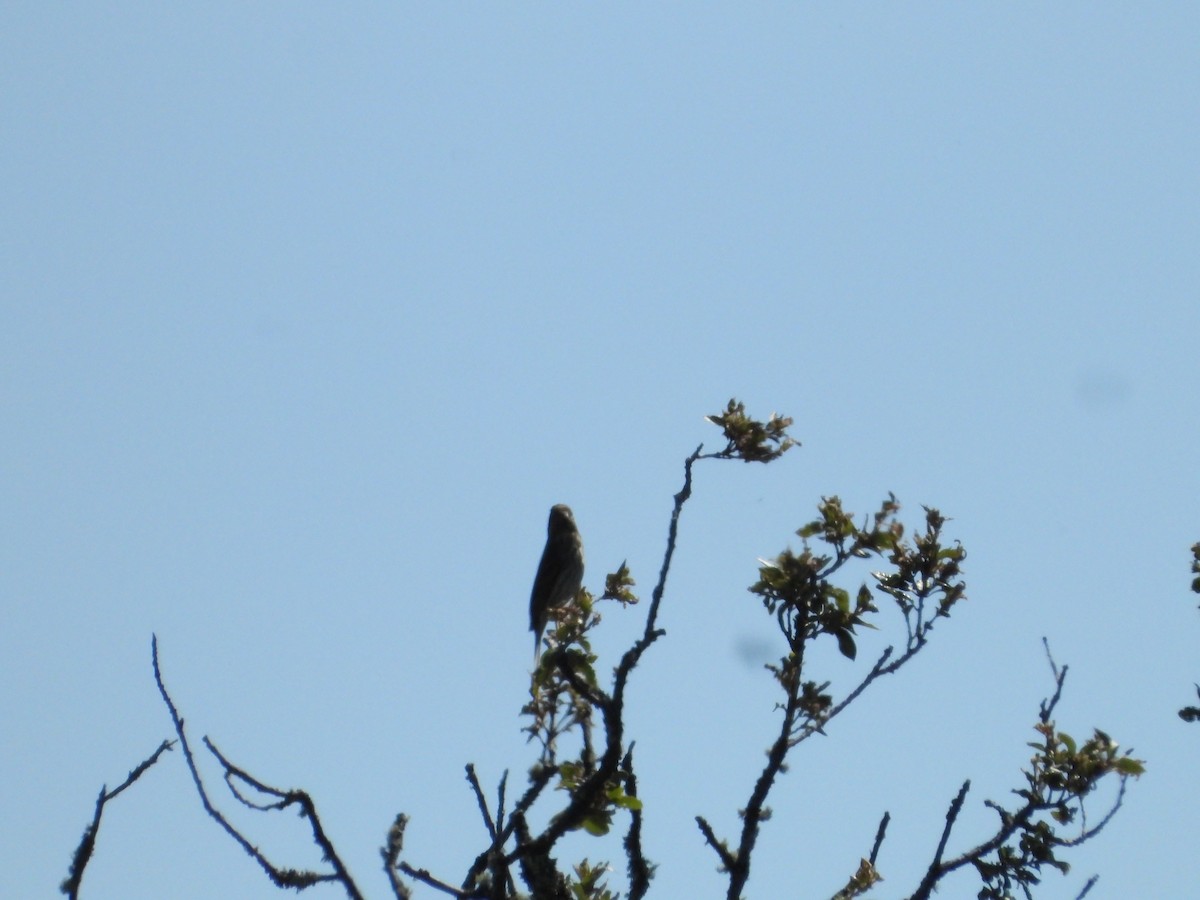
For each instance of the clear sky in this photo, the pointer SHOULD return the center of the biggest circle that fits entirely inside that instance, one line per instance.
(311, 311)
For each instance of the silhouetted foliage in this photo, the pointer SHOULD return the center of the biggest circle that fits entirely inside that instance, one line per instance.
(575, 720)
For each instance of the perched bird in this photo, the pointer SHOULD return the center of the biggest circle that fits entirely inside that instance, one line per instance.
(559, 574)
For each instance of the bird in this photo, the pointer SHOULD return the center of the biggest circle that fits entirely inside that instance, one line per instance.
(559, 574)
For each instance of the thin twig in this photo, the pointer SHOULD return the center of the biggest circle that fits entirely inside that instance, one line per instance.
(883, 824)
(477, 789)
(308, 810)
(880, 668)
(936, 870)
(727, 859)
(425, 876)
(1060, 676)
(87, 844)
(672, 536)
(500, 800)
(1088, 833)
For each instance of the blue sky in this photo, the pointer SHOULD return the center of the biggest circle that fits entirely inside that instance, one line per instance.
(311, 312)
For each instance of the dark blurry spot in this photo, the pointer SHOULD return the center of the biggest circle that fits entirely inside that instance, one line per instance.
(752, 651)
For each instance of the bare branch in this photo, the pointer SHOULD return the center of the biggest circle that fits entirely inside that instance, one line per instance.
(640, 869)
(477, 789)
(500, 791)
(492, 859)
(755, 812)
(880, 668)
(935, 871)
(284, 878)
(87, 844)
(650, 635)
(1046, 708)
(728, 861)
(423, 875)
(391, 857)
(883, 824)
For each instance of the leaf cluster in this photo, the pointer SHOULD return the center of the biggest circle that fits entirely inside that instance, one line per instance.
(751, 440)
(1060, 776)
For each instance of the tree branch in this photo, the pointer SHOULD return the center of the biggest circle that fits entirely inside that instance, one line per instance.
(935, 870)
(87, 844)
(284, 878)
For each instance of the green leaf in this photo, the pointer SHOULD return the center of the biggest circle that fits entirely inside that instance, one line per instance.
(842, 598)
(1127, 765)
(616, 795)
(597, 825)
(627, 802)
